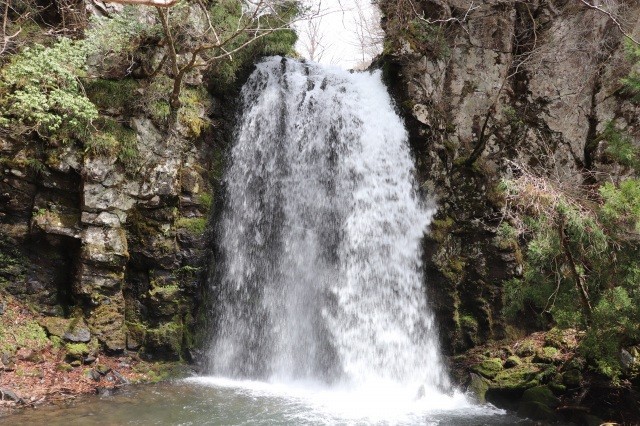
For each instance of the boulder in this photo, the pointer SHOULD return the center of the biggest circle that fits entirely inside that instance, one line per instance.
(489, 367)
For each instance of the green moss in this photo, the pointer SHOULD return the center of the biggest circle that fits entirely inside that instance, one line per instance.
(512, 361)
(76, 350)
(64, 367)
(572, 378)
(453, 268)
(159, 371)
(194, 225)
(112, 94)
(25, 334)
(506, 237)
(114, 138)
(546, 355)
(425, 37)
(166, 337)
(488, 368)
(542, 395)
(167, 292)
(440, 228)
(520, 377)
(478, 387)
(555, 338)
(205, 200)
(195, 105)
(526, 348)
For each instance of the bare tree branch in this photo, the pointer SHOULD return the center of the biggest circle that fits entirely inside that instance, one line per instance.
(155, 3)
(613, 18)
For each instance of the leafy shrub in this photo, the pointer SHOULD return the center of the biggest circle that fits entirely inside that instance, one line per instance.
(40, 91)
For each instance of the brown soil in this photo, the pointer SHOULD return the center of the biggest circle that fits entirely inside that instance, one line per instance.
(39, 374)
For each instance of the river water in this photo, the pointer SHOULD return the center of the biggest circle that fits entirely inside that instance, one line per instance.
(218, 401)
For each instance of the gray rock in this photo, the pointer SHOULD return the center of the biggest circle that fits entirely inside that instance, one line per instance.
(78, 334)
(9, 395)
(93, 375)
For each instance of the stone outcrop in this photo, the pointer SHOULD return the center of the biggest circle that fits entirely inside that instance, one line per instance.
(487, 87)
(82, 236)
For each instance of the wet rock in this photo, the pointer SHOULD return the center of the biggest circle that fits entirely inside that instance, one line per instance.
(103, 391)
(478, 387)
(626, 359)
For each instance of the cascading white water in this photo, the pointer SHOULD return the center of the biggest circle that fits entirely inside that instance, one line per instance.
(320, 276)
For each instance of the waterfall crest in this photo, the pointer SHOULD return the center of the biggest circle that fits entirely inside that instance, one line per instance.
(320, 277)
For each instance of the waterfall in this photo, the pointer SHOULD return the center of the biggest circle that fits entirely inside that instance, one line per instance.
(320, 278)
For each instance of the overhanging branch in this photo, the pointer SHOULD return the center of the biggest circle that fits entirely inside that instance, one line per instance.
(155, 3)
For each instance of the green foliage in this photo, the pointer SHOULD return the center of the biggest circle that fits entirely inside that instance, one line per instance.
(620, 147)
(225, 15)
(616, 315)
(112, 94)
(574, 242)
(40, 91)
(632, 81)
(622, 203)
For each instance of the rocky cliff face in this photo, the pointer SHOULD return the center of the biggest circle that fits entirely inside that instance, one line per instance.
(487, 87)
(119, 247)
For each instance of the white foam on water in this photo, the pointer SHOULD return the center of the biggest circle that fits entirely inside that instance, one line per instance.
(381, 402)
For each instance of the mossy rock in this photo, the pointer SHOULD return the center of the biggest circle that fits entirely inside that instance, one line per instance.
(107, 323)
(547, 355)
(76, 351)
(517, 378)
(478, 387)
(192, 225)
(72, 330)
(555, 338)
(135, 335)
(512, 361)
(537, 411)
(165, 340)
(526, 348)
(572, 378)
(557, 387)
(488, 368)
(55, 326)
(64, 367)
(542, 395)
